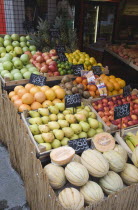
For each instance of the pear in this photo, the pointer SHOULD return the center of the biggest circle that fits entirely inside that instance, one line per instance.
(53, 125)
(43, 111)
(48, 137)
(70, 109)
(83, 135)
(60, 106)
(35, 120)
(76, 128)
(64, 141)
(53, 117)
(45, 119)
(99, 130)
(70, 118)
(61, 116)
(87, 108)
(63, 123)
(66, 111)
(92, 115)
(59, 134)
(44, 128)
(93, 123)
(47, 146)
(79, 109)
(53, 109)
(91, 133)
(100, 125)
(34, 114)
(56, 143)
(39, 139)
(68, 132)
(80, 117)
(34, 129)
(85, 112)
(85, 126)
(74, 137)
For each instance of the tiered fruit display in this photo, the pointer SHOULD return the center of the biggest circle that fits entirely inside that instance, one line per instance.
(56, 125)
(33, 97)
(105, 109)
(16, 68)
(64, 68)
(78, 57)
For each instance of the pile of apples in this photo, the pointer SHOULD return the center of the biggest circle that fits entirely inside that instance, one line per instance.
(105, 109)
(46, 62)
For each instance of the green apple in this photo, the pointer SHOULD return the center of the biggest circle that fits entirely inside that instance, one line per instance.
(18, 50)
(28, 43)
(32, 69)
(9, 48)
(33, 52)
(23, 70)
(7, 42)
(32, 48)
(2, 50)
(23, 39)
(15, 44)
(8, 65)
(8, 75)
(13, 53)
(7, 57)
(15, 37)
(25, 59)
(17, 76)
(27, 75)
(1, 40)
(1, 70)
(28, 37)
(7, 37)
(3, 54)
(25, 49)
(15, 59)
(22, 44)
(36, 72)
(4, 72)
(14, 71)
(18, 64)
(1, 45)
(29, 65)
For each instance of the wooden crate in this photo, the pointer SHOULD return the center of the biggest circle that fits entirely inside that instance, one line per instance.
(54, 78)
(6, 83)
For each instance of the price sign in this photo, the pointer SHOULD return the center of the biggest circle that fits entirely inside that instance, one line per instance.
(97, 70)
(73, 100)
(77, 69)
(121, 111)
(79, 145)
(60, 49)
(37, 80)
(54, 33)
(127, 91)
(62, 57)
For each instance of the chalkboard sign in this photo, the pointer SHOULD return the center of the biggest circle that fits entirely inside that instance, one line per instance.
(62, 57)
(54, 33)
(127, 91)
(73, 100)
(97, 70)
(121, 111)
(60, 49)
(37, 80)
(77, 69)
(79, 145)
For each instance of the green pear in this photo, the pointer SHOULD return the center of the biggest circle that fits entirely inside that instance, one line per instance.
(45, 119)
(64, 141)
(80, 117)
(99, 130)
(47, 146)
(79, 109)
(39, 139)
(59, 134)
(85, 112)
(43, 111)
(75, 136)
(85, 126)
(56, 143)
(35, 120)
(87, 108)
(92, 115)
(44, 128)
(53, 117)
(34, 129)
(68, 132)
(63, 123)
(100, 125)
(34, 114)
(93, 123)
(60, 106)
(70, 118)
(61, 116)
(53, 125)
(48, 137)
(83, 135)
(91, 133)
(70, 109)
(65, 112)
(53, 109)
(76, 128)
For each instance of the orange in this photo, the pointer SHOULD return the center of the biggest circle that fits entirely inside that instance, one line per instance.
(114, 92)
(78, 80)
(44, 88)
(27, 98)
(36, 105)
(92, 93)
(18, 103)
(23, 107)
(109, 86)
(60, 93)
(88, 87)
(85, 87)
(17, 88)
(93, 88)
(21, 92)
(34, 90)
(109, 93)
(50, 94)
(85, 82)
(56, 100)
(74, 82)
(29, 86)
(102, 75)
(55, 87)
(122, 83)
(15, 97)
(47, 103)
(112, 77)
(120, 91)
(12, 93)
(97, 93)
(40, 97)
(116, 86)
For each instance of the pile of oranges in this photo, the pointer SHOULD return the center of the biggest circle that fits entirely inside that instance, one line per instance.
(33, 97)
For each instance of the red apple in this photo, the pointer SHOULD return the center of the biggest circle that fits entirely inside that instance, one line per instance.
(111, 112)
(114, 98)
(52, 68)
(35, 56)
(124, 125)
(54, 57)
(133, 96)
(104, 100)
(105, 104)
(50, 74)
(106, 109)
(101, 109)
(38, 65)
(108, 123)
(53, 63)
(134, 117)
(31, 60)
(39, 59)
(135, 122)
(136, 111)
(135, 106)
(56, 73)
(29, 54)
(45, 54)
(100, 106)
(48, 61)
(38, 53)
(130, 123)
(101, 114)
(46, 57)
(34, 62)
(128, 98)
(111, 118)
(44, 69)
(111, 103)
(105, 119)
(53, 52)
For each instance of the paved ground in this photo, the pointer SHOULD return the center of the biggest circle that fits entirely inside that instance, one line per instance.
(12, 193)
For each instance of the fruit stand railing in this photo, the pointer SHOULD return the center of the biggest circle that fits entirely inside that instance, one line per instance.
(23, 158)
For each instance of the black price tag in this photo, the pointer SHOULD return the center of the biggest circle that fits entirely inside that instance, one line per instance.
(37, 80)
(127, 91)
(77, 69)
(60, 49)
(62, 57)
(73, 100)
(79, 145)
(121, 111)
(97, 70)
(54, 33)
